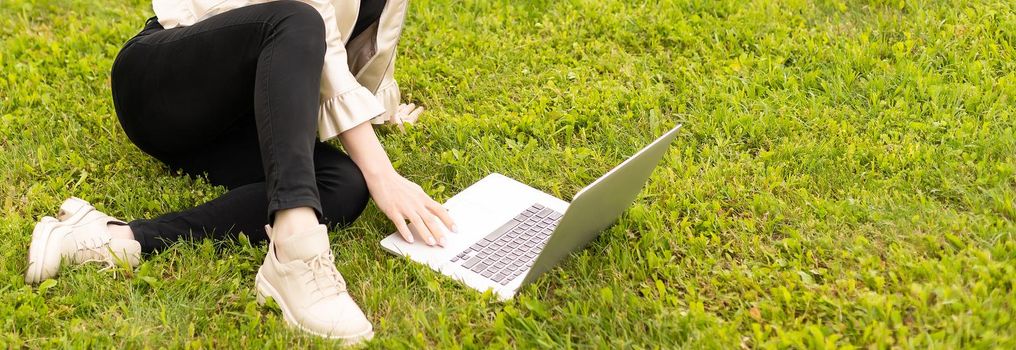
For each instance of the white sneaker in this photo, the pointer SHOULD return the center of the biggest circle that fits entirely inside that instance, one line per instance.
(310, 291)
(80, 237)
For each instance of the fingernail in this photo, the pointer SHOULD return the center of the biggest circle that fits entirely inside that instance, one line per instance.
(442, 242)
(430, 240)
(455, 228)
(410, 239)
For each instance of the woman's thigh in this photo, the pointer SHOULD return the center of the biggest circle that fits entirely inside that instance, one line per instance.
(179, 91)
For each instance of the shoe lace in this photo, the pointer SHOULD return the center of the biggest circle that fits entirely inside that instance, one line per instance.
(94, 249)
(326, 279)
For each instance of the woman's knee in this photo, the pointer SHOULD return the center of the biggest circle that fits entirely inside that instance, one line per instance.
(343, 191)
(304, 22)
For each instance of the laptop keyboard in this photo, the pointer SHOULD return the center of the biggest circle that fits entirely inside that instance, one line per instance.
(510, 250)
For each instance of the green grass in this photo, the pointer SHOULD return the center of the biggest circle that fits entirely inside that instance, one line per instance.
(846, 177)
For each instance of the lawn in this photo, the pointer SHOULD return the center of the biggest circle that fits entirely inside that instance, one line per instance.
(845, 177)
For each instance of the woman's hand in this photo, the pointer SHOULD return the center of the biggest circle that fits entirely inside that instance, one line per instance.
(405, 113)
(401, 200)
(398, 198)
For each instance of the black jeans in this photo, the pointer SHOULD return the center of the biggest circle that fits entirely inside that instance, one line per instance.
(235, 98)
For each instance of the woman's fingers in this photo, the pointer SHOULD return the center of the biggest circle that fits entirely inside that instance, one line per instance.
(396, 119)
(400, 225)
(404, 109)
(437, 229)
(413, 115)
(402, 112)
(442, 214)
(421, 229)
(406, 113)
(427, 219)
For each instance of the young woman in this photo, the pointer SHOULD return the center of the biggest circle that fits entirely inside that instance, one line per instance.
(238, 91)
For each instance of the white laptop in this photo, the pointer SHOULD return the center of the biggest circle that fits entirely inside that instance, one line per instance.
(510, 233)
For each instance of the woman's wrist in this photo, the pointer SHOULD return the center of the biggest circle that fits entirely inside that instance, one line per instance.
(379, 174)
(364, 148)
(377, 166)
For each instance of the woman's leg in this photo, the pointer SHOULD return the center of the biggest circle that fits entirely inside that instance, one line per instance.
(203, 98)
(242, 209)
(186, 91)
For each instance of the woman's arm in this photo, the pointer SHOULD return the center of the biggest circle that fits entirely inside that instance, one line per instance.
(399, 198)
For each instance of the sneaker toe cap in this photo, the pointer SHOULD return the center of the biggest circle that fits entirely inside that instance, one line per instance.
(338, 318)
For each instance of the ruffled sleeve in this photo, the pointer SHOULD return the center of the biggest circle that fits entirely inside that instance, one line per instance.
(345, 111)
(389, 96)
(345, 103)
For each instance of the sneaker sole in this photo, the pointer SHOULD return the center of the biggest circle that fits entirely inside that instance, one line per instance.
(43, 262)
(265, 290)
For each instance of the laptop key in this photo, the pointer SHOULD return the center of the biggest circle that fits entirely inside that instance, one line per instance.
(501, 230)
(499, 277)
(469, 263)
(479, 267)
(487, 273)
